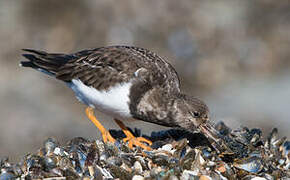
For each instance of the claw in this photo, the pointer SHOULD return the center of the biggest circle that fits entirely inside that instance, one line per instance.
(132, 140)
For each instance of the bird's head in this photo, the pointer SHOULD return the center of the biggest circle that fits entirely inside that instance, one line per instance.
(193, 112)
(193, 115)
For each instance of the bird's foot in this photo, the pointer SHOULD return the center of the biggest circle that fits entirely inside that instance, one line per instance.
(138, 141)
(132, 140)
(107, 137)
(105, 133)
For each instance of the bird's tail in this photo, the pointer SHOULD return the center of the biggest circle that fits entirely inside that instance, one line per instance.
(44, 62)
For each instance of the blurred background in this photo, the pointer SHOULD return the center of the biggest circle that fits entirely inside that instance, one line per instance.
(235, 55)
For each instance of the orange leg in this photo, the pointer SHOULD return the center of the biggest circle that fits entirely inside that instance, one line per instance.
(132, 140)
(105, 133)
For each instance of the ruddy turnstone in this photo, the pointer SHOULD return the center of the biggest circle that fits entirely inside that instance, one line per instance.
(125, 83)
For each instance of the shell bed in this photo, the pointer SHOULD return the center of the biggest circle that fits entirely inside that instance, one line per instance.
(176, 155)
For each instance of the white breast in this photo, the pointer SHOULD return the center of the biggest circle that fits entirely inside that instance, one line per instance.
(114, 102)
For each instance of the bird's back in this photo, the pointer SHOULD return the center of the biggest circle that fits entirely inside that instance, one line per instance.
(104, 67)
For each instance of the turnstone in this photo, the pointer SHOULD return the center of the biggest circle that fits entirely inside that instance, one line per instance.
(126, 83)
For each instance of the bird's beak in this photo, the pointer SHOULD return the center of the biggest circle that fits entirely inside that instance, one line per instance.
(214, 137)
(209, 132)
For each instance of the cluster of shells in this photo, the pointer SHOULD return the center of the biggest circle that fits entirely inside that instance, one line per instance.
(251, 157)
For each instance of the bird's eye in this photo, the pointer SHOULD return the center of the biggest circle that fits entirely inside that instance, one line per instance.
(196, 114)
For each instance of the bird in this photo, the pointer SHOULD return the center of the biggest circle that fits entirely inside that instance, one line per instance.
(127, 83)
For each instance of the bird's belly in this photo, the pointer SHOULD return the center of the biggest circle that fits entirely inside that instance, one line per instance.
(113, 102)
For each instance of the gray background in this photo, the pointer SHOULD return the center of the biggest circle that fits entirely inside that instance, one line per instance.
(232, 54)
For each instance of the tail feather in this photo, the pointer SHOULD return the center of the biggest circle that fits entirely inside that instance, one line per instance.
(35, 51)
(44, 62)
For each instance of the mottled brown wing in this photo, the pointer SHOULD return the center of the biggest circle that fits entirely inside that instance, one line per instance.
(107, 66)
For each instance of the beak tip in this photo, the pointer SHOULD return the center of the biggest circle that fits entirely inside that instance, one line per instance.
(209, 131)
